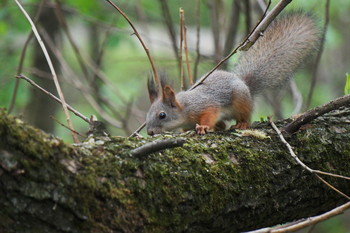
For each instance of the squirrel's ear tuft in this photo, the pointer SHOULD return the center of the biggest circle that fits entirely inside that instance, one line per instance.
(169, 97)
(152, 89)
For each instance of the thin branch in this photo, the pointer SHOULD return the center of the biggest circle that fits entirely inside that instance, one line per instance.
(54, 76)
(319, 55)
(156, 146)
(31, 82)
(137, 131)
(258, 31)
(312, 171)
(198, 31)
(306, 222)
(316, 112)
(156, 79)
(189, 73)
(238, 47)
(63, 125)
(21, 61)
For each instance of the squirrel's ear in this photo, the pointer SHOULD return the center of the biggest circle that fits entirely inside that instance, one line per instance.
(169, 97)
(152, 89)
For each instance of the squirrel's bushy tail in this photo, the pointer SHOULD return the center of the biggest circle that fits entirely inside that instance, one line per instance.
(275, 56)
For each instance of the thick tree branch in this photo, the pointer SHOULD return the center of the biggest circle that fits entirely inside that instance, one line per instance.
(220, 182)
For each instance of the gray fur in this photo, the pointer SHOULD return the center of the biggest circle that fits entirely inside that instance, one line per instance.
(269, 63)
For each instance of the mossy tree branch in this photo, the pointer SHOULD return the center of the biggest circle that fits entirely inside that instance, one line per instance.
(214, 183)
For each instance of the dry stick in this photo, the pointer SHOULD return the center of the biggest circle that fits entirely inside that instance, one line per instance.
(316, 112)
(21, 61)
(182, 78)
(303, 164)
(63, 125)
(156, 146)
(258, 31)
(305, 223)
(31, 82)
(189, 73)
(137, 131)
(54, 76)
(255, 31)
(198, 28)
(156, 79)
(319, 55)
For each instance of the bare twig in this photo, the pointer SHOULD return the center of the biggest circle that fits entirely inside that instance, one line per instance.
(189, 73)
(316, 112)
(21, 61)
(156, 79)
(31, 82)
(156, 146)
(306, 222)
(63, 125)
(258, 31)
(237, 48)
(319, 55)
(312, 171)
(137, 131)
(54, 76)
(198, 28)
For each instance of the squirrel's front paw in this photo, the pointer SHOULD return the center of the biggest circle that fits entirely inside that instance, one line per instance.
(201, 129)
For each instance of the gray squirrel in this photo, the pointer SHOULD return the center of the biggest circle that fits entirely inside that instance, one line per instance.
(269, 63)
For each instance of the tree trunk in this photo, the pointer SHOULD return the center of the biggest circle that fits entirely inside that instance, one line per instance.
(222, 182)
(39, 107)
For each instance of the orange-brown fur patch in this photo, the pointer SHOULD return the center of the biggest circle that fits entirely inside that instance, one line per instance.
(242, 110)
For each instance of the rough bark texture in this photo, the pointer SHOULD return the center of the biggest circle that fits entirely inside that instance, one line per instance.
(222, 182)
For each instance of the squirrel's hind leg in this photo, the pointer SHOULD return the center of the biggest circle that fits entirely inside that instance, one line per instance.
(242, 110)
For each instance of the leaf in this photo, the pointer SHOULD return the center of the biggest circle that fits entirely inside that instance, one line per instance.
(347, 84)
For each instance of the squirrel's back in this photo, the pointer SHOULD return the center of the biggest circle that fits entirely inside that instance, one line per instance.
(275, 56)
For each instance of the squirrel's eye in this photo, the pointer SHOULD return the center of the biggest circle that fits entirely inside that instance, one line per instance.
(162, 115)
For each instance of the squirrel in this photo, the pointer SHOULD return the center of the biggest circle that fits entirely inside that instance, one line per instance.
(286, 43)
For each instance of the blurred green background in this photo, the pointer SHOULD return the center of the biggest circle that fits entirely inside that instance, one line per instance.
(103, 69)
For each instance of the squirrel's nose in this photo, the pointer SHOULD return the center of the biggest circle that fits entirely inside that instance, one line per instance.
(150, 132)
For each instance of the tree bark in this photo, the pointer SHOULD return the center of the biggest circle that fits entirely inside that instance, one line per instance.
(220, 182)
